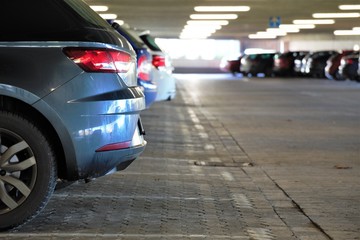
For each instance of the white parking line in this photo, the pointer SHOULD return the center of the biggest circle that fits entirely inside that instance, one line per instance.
(227, 176)
(260, 234)
(242, 201)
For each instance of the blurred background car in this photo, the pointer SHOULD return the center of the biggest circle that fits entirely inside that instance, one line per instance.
(144, 64)
(298, 62)
(333, 63)
(315, 63)
(70, 103)
(254, 64)
(284, 63)
(231, 65)
(162, 67)
(349, 65)
(358, 72)
(303, 64)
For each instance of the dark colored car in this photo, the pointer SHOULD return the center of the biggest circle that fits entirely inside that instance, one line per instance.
(349, 65)
(316, 62)
(231, 65)
(144, 59)
(333, 63)
(358, 72)
(302, 65)
(254, 64)
(69, 102)
(298, 63)
(284, 63)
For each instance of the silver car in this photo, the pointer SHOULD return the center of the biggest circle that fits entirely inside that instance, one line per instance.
(162, 68)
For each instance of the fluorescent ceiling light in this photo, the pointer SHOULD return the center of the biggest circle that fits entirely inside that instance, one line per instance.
(99, 8)
(314, 21)
(276, 31)
(213, 16)
(336, 15)
(263, 33)
(356, 28)
(120, 22)
(346, 32)
(350, 7)
(297, 26)
(289, 29)
(221, 8)
(208, 22)
(108, 16)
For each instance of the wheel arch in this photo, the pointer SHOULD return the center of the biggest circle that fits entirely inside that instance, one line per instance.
(15, 105)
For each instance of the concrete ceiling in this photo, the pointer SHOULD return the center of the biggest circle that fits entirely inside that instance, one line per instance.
(166, 18)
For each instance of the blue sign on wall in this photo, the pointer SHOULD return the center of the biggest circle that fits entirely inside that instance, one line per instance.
(274, 22)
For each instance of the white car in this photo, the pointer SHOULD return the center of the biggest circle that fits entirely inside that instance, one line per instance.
(162, 68)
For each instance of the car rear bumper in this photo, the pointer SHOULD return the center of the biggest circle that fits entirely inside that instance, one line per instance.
(106, 161)
(104, 114)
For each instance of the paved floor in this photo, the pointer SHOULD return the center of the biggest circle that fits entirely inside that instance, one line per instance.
(229, 158)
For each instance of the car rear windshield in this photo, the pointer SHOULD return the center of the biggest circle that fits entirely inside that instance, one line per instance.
(47, 20)
(150, 41)
(87, 13)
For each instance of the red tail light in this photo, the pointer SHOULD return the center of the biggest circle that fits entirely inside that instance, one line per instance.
(100, 60)
(144, 68)
(158, 61)
(349, 61)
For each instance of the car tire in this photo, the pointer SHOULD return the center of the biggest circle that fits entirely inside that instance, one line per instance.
(27, 170)
(268, 72)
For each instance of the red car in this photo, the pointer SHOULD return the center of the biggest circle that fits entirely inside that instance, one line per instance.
(348, 68)
(333, 63)
(231, 65)
(284, 63)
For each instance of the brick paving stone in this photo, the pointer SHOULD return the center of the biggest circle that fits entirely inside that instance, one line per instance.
(167, 194)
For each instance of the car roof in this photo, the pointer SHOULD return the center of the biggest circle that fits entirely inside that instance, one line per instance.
(54, 20)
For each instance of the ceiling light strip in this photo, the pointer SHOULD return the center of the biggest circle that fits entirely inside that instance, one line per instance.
(208, 22)
(222, 8)
(346, 32)
(213, 16)
(336, 15)
(99, 8)
(314, 21)
(350, 7)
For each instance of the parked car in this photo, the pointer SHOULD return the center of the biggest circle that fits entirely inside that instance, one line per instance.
(298, 62)
(69, 102)
(254, 64)
(316, 63)
(284, 63)
(349, 65)
(162, 67)
(358, 72)
(333, 63)
(231, 65)
(144, 66)
(303, 69)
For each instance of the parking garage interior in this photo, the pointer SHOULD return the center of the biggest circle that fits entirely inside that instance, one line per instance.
(233, 154)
